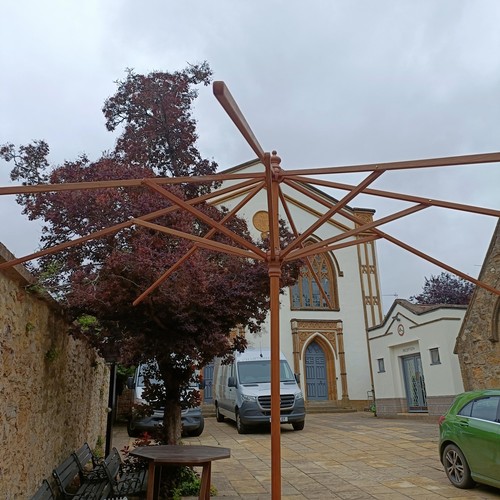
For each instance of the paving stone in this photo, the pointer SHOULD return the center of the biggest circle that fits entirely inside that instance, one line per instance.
(353, 456)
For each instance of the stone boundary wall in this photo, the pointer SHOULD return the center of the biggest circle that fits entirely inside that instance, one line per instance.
(53, 388)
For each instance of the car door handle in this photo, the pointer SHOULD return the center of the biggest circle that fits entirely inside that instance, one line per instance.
(464, 424)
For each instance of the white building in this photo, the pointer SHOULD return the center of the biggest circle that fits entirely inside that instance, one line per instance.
(414, 367)
(326, 343)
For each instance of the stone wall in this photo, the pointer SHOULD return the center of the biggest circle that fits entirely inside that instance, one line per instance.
(53, 388)
(478, 343)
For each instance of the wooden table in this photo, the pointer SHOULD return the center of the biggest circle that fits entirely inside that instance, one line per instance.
(181, 455)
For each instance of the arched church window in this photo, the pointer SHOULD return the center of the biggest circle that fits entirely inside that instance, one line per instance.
(317, 289)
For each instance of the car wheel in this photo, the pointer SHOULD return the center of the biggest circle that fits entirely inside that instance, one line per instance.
(298, 426)
(456, 467)
(218, 415)
(240, 427)
(197, 432)
(131, 430)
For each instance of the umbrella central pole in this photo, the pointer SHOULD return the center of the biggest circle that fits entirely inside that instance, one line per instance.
(274, 270)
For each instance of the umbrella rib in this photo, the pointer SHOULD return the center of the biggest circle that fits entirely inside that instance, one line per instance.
(68, 186)
(299, 187)
(202, 242)
(121, 225)
(333, 210)
(193, 249)
(337, 246)
(205, 218)
(361, 229)
(449, 161)
(399, 196)
(307, 260)
(227, 101)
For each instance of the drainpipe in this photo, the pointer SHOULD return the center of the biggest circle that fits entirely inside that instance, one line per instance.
(111, 408)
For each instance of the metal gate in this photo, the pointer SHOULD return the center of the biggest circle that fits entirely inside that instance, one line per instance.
(208, 379)
(414, 383)
(316, 373)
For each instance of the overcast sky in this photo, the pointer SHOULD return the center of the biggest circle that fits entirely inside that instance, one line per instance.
(325, 83)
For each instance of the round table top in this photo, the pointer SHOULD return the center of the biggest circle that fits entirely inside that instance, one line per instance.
(181, 454)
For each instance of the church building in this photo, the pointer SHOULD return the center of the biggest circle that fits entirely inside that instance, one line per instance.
(323, 337)
(478, 342)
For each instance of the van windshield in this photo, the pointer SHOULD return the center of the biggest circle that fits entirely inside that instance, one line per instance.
(141, 382)
(143, 369)
(255, 372)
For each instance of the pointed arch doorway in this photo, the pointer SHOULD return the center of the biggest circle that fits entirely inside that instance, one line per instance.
(316, 380)
(319, 355)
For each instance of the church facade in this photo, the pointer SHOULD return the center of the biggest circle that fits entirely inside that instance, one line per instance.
(324, 338)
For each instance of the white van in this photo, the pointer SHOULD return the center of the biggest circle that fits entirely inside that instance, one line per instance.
(191, 418)
(242, 391)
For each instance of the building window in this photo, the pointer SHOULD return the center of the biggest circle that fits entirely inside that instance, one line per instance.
(381, 365)
(307, 294)
(435, 360)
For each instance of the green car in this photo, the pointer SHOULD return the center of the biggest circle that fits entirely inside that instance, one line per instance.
(469, 439)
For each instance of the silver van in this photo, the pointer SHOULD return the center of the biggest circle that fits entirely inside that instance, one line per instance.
(191, 418)
(242, 391)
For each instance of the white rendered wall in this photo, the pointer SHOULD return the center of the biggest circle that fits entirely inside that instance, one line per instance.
(420, 333)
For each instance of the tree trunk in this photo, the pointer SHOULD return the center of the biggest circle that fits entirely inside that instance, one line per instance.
(172, 422)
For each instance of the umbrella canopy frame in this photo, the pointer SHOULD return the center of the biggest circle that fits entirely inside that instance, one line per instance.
(271, 180)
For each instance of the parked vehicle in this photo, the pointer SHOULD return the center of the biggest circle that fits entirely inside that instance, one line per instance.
(242, 391)
(191, 418)
(469, 444)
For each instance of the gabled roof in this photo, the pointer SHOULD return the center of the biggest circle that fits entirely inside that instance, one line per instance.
(417, 309)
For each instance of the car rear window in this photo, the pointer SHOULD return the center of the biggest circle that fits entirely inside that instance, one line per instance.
(465, 411)
(482, 408)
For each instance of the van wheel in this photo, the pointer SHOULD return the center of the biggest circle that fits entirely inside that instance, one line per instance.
(218, 415)
(298, 426)
(240, 427)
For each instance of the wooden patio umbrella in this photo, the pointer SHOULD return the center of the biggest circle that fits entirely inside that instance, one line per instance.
(270, 180)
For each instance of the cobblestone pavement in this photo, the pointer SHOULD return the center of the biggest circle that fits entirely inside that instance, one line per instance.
(351, 456)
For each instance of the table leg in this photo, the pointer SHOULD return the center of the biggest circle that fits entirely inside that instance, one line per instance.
(151, 481)
(205, 482)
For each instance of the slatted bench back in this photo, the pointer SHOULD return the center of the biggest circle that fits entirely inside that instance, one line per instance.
(84, 456)
(112, 465)
(65, 474)
(44, 492)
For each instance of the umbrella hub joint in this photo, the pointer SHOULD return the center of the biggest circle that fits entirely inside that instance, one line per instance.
(276, 170)
(274, 263)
